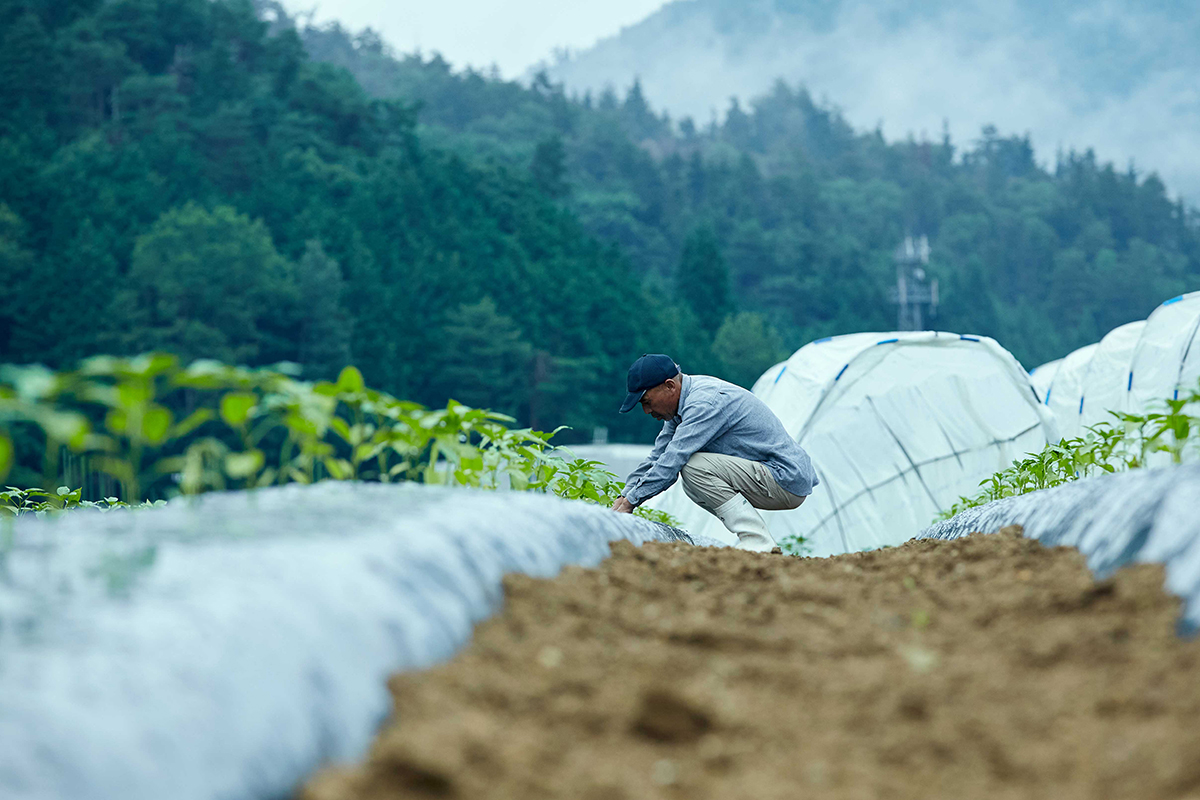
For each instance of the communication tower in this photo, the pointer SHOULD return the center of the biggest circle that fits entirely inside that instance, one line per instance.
(914, 293)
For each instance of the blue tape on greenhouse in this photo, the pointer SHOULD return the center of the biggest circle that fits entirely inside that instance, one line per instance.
(1143, 516)
(225, 647)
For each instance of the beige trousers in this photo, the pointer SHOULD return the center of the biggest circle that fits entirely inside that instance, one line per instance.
(711, 480)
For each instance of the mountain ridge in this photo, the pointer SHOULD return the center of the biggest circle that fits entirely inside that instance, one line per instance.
(1117, 76)
(805, 209)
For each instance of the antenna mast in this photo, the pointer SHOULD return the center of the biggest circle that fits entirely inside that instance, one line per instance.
(914, 291)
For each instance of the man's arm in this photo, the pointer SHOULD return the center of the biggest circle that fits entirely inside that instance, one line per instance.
(660, 444)
(704, 423)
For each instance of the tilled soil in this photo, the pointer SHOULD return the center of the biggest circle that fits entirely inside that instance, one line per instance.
(987, 667)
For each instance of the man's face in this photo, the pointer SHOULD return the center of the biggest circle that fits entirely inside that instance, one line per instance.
(662, 401)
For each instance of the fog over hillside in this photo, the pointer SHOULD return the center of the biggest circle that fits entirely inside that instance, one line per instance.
(1116, 75)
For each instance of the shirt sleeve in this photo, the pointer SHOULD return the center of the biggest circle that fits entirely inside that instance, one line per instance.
(703, 423)
(660, 444)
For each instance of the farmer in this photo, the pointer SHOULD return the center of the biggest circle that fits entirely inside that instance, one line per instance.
(732, 452)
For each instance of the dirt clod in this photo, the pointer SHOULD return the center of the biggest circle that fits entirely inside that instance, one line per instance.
(666, 717)
(987, 667)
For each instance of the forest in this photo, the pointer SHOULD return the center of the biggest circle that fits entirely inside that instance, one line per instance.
(215, 179)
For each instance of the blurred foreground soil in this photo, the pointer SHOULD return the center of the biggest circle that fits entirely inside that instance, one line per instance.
(988, 667)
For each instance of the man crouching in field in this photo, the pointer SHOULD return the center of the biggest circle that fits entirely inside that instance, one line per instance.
(731, 451)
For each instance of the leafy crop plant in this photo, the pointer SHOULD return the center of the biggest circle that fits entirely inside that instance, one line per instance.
(157, 429)
(1130, 441)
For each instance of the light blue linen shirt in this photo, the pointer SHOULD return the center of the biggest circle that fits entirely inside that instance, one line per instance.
(715, 416)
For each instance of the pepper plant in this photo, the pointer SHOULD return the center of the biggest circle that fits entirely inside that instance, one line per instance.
(1130, 441)
(158, 429)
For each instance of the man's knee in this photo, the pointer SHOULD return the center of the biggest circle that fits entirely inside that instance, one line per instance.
(703, 483)
(698, 470)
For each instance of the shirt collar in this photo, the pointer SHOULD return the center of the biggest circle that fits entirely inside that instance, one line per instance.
(683, 393)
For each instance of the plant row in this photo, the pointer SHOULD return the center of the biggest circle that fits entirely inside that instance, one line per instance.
(158, 429)
(1168, 435)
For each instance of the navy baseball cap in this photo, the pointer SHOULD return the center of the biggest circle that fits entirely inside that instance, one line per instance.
(646, 373)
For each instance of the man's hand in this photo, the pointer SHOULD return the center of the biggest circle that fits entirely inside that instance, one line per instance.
(622, 506)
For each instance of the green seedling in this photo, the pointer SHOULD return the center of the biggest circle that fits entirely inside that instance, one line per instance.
(159, 429)
(1124, 444)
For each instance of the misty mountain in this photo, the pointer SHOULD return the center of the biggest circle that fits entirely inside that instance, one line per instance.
(804, 210)
(1116, 75)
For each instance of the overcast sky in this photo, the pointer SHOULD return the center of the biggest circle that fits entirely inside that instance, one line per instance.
(512, 34)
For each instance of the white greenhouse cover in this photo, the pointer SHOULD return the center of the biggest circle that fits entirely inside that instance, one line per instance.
(898, 425)
(1132, 369)
(1041, 377)
(1104, 383)
(1166, 360)
(1066, 390)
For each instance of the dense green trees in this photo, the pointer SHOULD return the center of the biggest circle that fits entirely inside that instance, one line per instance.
(17, 327)
(181, 174)
(209, 285)
(746, 347)
(324, 341)
(177, 174)
(703, 280)
(806, 210)
(481, 358)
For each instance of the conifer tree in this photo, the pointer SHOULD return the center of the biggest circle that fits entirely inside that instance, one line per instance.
(549, 168)
(17, 265)
(325, 326)
(482, 359)
(702, 281)
(746, 347)
(206, 284)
